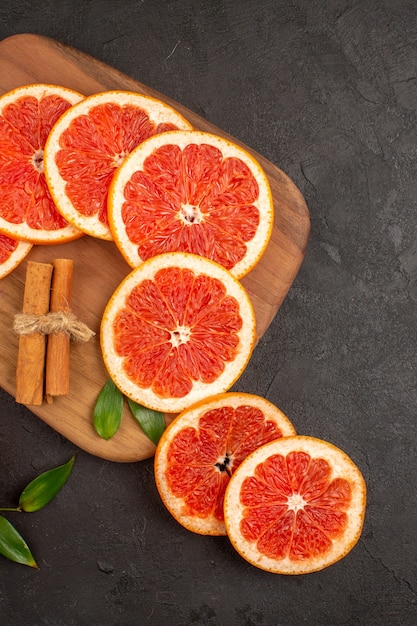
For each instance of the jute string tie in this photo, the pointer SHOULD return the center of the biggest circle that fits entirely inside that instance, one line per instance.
(54, 322)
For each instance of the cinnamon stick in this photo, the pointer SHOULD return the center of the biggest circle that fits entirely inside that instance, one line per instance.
(58, 348)
(31, 351)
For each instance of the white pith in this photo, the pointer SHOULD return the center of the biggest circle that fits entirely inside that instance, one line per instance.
(296, 502)
(119, 158)
(180, 335)
(37, 161)
(190, 214)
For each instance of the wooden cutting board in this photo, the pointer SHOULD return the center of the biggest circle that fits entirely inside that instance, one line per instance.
(98, 266)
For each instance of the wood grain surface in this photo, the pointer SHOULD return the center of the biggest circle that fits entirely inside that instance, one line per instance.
(98, 267)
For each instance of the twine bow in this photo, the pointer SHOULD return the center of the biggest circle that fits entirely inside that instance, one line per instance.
(54, 322)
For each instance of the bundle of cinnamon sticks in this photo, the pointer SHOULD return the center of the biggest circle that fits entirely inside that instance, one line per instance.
(43, 363)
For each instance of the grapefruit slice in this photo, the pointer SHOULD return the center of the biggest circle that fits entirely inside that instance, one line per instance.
(295, 506)
(191, 192)
(27, 210)
(12, 253)
(202, 448)
(87, 145)
(177, 329)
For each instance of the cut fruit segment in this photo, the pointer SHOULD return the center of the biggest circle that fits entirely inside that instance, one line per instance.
(190, 191)
(87, 145)
(12, 253)
(202, 448)
(27, 211)
(179, 328)
(295, 506)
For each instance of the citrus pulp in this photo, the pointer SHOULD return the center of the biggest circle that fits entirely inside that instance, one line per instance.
(177, 329)
(191, 191)
(201, 449)
(12, 253)
(87, 145)
(295, 505)
(27, 210)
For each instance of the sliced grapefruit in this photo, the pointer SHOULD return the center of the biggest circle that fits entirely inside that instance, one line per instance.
(12, 253)
(202, 448)
(87, 145)
(295, 506)
(191, 192)
(27, 210)
(178, 328)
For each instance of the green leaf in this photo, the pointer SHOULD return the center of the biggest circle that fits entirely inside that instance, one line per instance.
(42, 489)
(151, 422)
(108, 410)
(13, 546)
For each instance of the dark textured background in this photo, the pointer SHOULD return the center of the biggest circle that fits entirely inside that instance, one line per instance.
(327, 90)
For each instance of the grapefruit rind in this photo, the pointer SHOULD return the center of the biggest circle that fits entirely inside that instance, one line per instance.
(190, 418)
(16, 257)
(158, 111)
(342, 467)
(135, 162)
(200, 390)
(22, 230)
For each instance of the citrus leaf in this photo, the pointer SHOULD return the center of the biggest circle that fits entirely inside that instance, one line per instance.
(108, 410)
(151, 422)
(13, 546)
(44, 487)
